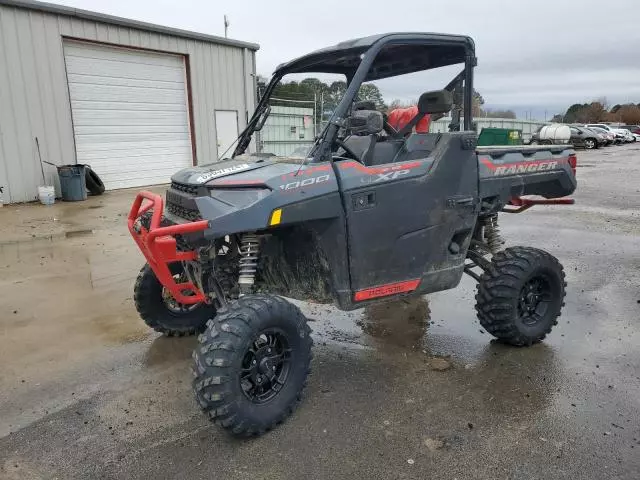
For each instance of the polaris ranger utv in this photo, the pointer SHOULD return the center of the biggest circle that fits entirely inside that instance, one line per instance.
(371, 213)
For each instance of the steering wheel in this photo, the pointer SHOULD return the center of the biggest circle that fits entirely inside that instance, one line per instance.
(350, 153)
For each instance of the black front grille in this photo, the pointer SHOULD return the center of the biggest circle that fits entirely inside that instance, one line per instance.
(181, 187)
(180, 201)
(182, 212)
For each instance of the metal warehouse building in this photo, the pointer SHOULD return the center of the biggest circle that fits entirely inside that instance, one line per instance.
(135, 101)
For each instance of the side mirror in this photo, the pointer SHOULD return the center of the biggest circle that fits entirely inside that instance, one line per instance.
(365, 122)
(438, 101)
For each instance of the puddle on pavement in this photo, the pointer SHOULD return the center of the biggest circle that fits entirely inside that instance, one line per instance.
(396, 324)
(119, 328)
(169, 351)
(401, 323)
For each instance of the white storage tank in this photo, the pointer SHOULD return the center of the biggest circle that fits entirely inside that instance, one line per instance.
(555, 133)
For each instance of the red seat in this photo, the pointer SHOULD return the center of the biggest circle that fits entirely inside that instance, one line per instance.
(399, 117)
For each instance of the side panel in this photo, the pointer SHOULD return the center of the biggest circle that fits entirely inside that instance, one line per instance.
(404, 218)
(517, 171)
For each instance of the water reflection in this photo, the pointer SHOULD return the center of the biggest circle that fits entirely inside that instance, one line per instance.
(401, 323)
(170, 351)
(507, 378)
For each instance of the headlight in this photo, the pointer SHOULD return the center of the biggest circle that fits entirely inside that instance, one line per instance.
(239, 197)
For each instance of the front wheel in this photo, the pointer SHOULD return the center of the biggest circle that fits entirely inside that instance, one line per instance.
(520, 296)
(252, 363)
(159, 310)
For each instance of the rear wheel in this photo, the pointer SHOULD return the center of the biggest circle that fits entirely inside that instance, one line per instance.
(157, 307)
(590, 143)
(252, 363)
(520, 295)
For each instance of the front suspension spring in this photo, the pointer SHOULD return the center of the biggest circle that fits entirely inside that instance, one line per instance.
(249, 254)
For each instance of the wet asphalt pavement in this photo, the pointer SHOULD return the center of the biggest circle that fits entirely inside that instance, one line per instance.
(416, 390)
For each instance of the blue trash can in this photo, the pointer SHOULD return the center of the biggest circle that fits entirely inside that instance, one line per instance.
(72, 182)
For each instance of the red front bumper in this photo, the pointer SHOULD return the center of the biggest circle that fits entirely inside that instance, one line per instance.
(158, 245)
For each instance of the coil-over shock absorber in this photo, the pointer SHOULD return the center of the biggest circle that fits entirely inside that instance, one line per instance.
(249, 253)
(492, 233)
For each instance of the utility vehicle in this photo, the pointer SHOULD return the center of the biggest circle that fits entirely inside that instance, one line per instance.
(370, 214)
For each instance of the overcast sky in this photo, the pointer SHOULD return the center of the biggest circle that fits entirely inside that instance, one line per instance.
(533, 56)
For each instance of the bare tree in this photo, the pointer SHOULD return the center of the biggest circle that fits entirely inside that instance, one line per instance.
(604, 102)
(629, 114)
(595, 112)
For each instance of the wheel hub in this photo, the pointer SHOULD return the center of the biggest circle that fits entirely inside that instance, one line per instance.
(265, 367)
(534, 296)
(172, 304)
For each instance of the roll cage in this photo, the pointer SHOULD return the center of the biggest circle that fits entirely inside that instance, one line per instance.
(374, 58)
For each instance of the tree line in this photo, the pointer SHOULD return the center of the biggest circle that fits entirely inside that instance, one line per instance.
(600, 111)
(327, 95)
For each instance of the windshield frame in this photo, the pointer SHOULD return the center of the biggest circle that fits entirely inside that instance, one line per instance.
(358, 74)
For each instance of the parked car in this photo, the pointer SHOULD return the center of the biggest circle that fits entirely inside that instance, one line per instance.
(603, 140)
(603, 126)
(585, 137)
(618, 137)
(626, 134)
(558, 134)
(604, 137)
(609, 136)
(631, 130)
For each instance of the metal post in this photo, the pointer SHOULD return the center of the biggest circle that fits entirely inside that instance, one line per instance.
(468, 92)
(321, 109)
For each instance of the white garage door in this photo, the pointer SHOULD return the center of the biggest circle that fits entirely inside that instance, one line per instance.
(130, 114)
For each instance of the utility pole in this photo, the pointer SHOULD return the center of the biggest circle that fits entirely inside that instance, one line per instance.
(226, 26)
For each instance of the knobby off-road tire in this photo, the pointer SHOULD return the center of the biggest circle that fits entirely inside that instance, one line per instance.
(161, 312)
(520, 296)
(252, 364)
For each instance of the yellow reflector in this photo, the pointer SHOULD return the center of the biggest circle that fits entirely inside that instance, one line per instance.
(275, 217)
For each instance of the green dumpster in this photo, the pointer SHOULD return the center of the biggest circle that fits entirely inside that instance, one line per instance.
(499, 136)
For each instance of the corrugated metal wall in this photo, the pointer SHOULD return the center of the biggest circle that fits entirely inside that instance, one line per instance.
(287, 128)
(34, 98)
